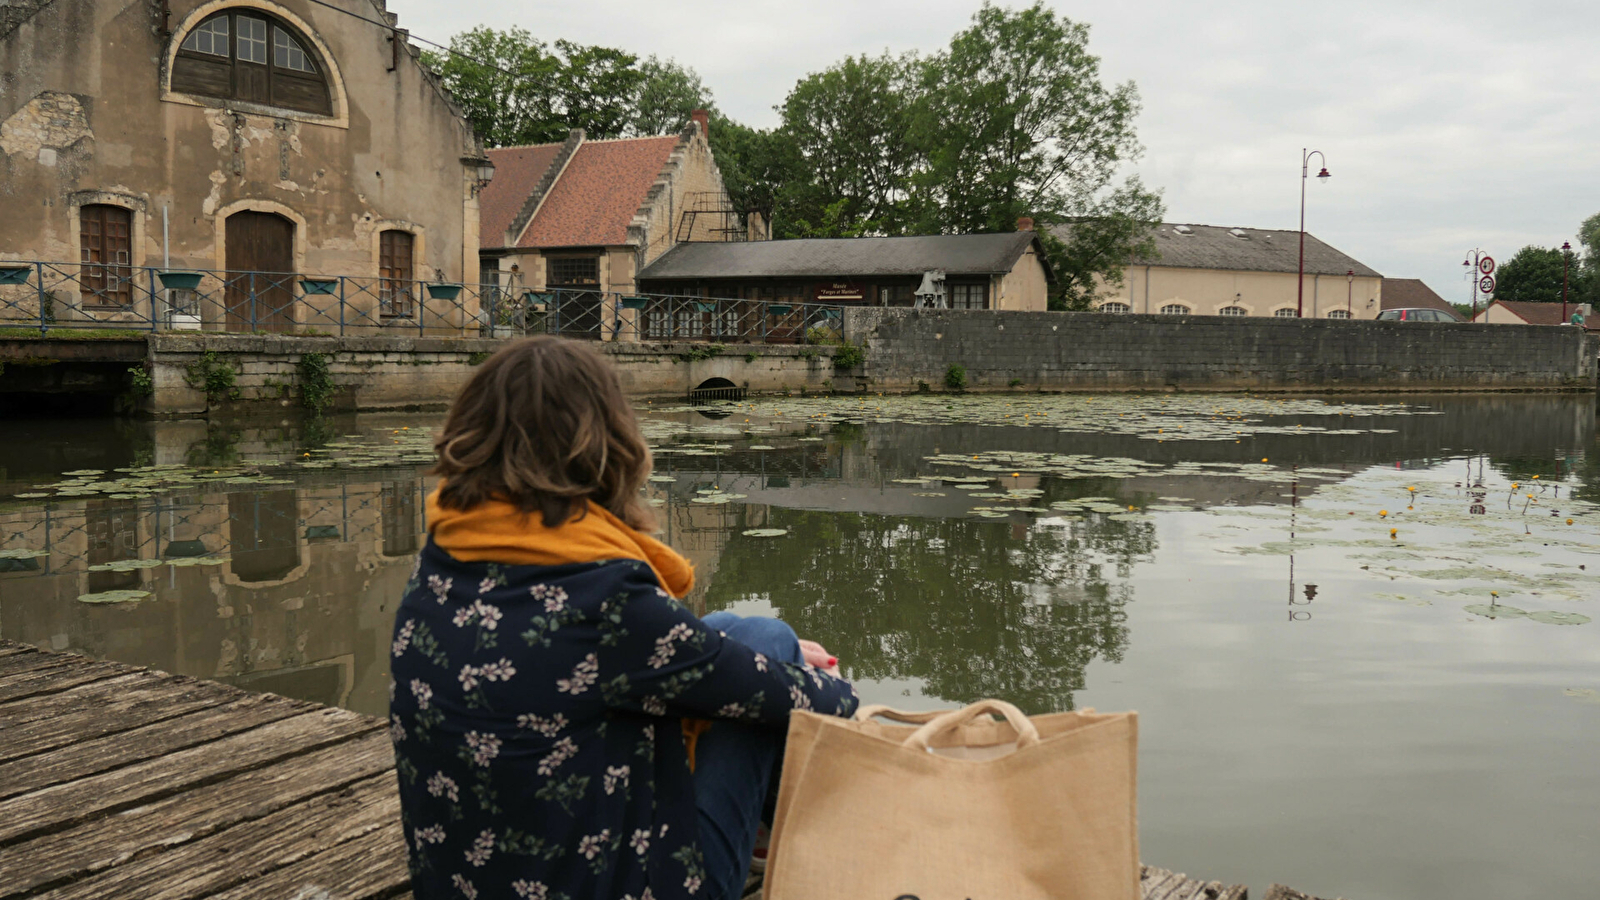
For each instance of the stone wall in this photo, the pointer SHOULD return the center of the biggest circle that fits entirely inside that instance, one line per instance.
(1093, 351)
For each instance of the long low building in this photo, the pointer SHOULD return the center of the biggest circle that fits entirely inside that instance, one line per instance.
(1212, 270)
(956, 271)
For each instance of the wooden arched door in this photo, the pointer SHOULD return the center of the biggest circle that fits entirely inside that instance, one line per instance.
(261, 279)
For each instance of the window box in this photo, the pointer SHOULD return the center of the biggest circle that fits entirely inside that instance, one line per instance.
(634, 302)
(705, 306)
(444, 291)
(185, 549)
(323, 533)
(779, 309)
(324, 286)
(180, 281)
(14, 274)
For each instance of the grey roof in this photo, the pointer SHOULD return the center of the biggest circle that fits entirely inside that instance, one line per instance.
(1411, 293)
(956, 254)
(1259, 250)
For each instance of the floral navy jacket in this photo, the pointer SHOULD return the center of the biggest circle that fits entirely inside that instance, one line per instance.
(534, 713)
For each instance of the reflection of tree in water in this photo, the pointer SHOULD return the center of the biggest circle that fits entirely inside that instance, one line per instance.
(974, 608)
(1584, 466)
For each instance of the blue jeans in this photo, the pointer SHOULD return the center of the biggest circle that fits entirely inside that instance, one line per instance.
(736, 766)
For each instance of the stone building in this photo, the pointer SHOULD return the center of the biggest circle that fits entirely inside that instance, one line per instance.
(1211, 270)
(588, 215)
(293, 137)
(1523, 312)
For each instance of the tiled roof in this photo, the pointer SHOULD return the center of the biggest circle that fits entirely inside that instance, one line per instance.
(1543, 313)
(1258, 250)
(517, 171)
(596, 198)
(1411, 293)
(956, 254)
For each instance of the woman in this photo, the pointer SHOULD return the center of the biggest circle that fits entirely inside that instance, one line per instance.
(550, 692)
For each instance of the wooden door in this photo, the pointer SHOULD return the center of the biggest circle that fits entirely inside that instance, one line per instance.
(395, 273)
(105, 248)
(263, 535)
(261, 280)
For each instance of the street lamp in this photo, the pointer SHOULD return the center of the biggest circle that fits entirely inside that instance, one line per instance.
(1566, 265)
(1305, 171)
(1475, 264)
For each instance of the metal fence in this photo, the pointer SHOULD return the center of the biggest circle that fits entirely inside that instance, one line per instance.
(46, 296)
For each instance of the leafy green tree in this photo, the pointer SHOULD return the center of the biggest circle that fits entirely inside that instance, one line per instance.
(756, 164)
(1014, 120)
(1588, 288)
(668, 93)
(849, 127)
(1533, 275)
(1089, 253)
(503, 81)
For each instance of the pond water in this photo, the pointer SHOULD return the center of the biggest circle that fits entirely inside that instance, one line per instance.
(1357, 632)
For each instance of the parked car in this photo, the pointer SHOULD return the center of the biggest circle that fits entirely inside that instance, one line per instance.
(1416, 314)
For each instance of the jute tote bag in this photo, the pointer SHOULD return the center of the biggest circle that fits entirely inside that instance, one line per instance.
(954, 805)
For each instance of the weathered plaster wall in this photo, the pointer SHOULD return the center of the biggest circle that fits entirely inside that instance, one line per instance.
(1025, 286)
(85, 118)
(1094, 351)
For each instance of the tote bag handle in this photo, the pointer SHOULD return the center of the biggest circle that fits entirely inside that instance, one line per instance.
(1027, 734)
(871, 711)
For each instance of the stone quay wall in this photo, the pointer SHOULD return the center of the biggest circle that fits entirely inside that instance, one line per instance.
(907, 348)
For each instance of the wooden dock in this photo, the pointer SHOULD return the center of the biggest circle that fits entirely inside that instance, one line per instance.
(117, 781)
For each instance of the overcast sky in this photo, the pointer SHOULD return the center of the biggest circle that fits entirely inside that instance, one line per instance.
(1447, 126)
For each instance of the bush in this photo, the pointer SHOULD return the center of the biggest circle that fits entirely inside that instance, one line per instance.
(955, 377)
(316, 382)
(849, 355)
(214, 376)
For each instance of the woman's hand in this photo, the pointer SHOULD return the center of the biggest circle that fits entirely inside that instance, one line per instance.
(818, 657)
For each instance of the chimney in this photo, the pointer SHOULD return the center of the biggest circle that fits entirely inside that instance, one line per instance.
(1025, 223)
(704, 118)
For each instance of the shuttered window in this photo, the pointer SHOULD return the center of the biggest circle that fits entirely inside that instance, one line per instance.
(105, 248)
(395, 272)
(250, 56)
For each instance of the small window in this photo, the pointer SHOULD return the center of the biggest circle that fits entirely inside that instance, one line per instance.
(395, 273)
(572, 271)
(211, 37)
(1174, 309)
(228, 57)
(105, 249)
(1285, 313)
(1339, 314)
(1115, 307)
(969, 296)
(1233, 311)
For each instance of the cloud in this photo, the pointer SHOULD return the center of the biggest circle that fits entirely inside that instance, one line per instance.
(1446, 126)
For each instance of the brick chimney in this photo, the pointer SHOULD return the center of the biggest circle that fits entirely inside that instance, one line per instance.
(1025, 223)
(704, 118)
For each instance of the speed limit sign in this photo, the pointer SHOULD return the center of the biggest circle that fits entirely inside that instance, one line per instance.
(1486, 266)
(1486, 284)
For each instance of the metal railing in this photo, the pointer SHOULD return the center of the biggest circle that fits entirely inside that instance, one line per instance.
(46, 296)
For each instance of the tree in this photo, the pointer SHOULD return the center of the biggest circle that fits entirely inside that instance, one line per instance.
(1588, 288)
(667, 95)
(597, 88)
(756, 164)
(1533, 275)
(1092, 251)
(503, 82)
(849, 129)
(1014, 121)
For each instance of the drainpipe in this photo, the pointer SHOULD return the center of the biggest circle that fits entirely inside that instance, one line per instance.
(166, 252)
(1147, 290)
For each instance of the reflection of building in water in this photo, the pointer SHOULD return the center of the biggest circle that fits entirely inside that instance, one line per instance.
(302, 605)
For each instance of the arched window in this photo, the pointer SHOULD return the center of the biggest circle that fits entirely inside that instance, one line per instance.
(1233, 311)
(1286, 313)
(1115, 307)
(245, 54)
(1174, 309)
(1339, 314)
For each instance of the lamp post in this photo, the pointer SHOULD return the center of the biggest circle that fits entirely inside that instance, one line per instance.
(1566, 265)
(1349, 294)
(1305, 171)
(1475, 264)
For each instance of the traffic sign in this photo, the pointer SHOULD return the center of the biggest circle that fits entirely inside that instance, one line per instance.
(1486, 266)
(1486, 284)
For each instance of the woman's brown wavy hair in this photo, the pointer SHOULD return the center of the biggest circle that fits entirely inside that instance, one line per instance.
(544, 424)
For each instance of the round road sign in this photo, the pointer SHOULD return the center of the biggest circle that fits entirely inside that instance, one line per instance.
(1486, 284)
(1486, 265)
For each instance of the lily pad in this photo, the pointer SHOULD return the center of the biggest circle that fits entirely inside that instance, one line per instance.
(765, 532)
(1555, 617)
(23, 553)
(1497, 611)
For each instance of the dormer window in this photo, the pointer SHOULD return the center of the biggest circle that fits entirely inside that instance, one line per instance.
(247, 55)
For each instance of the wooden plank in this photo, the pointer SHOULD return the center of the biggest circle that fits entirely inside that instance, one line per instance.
(85, 758)
(366, 868)
(100, 844)
(83, 697)
(18, 663)
(113, 706)
(7, 648)
(249, 850)
(55, 679)
(1160, 884)
(56, 807)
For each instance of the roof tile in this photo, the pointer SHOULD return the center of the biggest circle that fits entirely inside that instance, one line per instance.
(1259, 250)
(957, 254)
(596, 198)
(517, 171)
(1411, 293)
